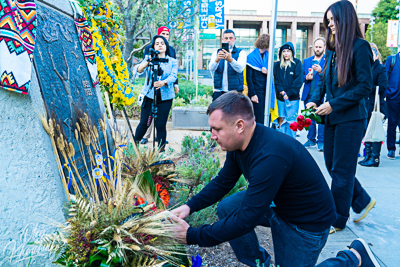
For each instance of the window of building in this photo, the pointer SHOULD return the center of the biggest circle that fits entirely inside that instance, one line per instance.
(287, 13)
(363, 16)
(317, 14)
(209, 46)
(245, 39)
(301, 43)
(242, 12)
(280, 39)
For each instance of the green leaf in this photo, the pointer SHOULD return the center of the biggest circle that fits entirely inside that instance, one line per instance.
(105, 264)
(146, 181)
(96, 257)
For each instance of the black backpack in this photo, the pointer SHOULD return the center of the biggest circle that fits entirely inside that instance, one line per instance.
(392, 65)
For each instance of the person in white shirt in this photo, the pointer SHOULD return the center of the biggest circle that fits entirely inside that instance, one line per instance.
(227, 66)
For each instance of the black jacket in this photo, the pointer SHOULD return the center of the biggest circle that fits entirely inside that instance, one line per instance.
(348, 101)
(290, 79)
(256, 81)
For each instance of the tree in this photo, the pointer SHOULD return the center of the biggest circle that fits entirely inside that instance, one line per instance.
(141, 18)
(385, 11)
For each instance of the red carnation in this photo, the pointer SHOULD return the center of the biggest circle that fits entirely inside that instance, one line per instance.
(307, 123)
(300, 118)
(300, 127)
(293, 126)
(300, 124)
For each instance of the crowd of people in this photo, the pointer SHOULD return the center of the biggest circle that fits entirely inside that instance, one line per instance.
(341, 82)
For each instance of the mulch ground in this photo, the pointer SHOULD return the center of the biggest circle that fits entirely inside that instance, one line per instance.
(223, 255)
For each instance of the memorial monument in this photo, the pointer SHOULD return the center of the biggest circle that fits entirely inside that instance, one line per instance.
(60, 87)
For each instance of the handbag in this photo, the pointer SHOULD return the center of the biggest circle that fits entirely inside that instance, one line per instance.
(375, 131)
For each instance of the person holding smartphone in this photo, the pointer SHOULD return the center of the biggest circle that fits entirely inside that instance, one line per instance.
(227, 65)
(312, 69)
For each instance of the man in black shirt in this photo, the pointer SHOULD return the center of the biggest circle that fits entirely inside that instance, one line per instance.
(278, 168)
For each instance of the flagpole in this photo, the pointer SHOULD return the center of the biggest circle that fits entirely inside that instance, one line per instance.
(272, 29)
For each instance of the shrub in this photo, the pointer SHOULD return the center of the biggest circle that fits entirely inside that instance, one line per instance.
(201, 166)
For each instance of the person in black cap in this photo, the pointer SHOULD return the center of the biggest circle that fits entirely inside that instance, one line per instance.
(288, 74)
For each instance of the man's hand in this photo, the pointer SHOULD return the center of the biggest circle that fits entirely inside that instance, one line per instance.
(180, 230)
(159, 84)
(324, 109)
(254, 98)
(311, 104)
(176, 89)
(309, 77)
(221, 55)
(317, 68)
(228, 56)
(182, 212)
(264, 70)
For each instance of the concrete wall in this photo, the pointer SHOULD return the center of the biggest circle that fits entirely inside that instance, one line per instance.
(30, 187)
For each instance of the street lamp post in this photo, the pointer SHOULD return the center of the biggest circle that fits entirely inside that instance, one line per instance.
(372, 22)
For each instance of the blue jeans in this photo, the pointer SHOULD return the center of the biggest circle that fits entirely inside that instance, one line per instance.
(312, 131)
(290, 115)
(292, 246)
(341, 146)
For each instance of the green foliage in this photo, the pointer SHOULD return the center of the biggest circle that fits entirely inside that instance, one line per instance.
(379, 38)
(385, 10)
(201, 166)
(187, 90)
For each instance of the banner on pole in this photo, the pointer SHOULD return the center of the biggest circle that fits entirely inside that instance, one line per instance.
(211, 14)
(175, 7)
(392, 33)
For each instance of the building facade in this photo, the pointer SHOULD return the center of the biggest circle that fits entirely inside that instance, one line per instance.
(298, 21)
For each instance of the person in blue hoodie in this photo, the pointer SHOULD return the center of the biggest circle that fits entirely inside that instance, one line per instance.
(316, 65)
(288, 77)
(393, 104)
(256, 75)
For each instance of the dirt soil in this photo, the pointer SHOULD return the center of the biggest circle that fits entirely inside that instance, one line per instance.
(223, 255)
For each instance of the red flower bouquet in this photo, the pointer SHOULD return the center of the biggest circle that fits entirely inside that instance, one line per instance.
(304, 120)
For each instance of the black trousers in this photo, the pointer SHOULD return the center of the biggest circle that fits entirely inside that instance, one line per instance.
(341, 146)
(163, 108)
(259, 108)
(394, 111)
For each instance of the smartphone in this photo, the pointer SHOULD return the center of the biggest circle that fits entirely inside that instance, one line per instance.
(314, 62)
(225, 46)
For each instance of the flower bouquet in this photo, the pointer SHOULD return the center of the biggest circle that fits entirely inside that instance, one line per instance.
(114, 218)
(304, 120)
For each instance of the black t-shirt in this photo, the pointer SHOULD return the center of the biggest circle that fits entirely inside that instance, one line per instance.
(278, 168)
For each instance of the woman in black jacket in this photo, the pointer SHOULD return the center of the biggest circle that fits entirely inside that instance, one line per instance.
(379, 78)
(346, 82)
(288, 77)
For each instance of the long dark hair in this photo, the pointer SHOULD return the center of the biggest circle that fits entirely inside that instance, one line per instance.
(347, 30)
(153, 43)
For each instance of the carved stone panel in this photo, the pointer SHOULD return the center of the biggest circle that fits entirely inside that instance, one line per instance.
(64, 79)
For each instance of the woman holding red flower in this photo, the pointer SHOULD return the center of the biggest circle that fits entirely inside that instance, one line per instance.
(347, 82)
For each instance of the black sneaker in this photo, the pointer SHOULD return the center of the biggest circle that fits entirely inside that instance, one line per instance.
(367, 257)
(144, 141)
(391, 154)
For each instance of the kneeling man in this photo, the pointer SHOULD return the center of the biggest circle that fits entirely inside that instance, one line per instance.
(278, 169)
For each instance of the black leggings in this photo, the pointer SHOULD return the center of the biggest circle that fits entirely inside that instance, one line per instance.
(163, 108)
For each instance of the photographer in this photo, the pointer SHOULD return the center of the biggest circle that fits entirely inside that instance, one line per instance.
(164, 89)
(165, 32)
(228, 66)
